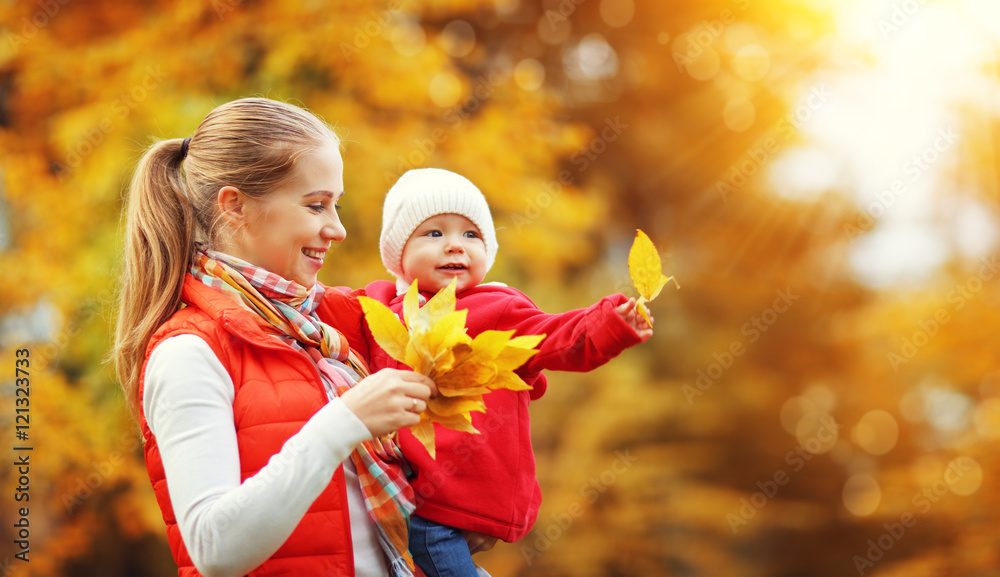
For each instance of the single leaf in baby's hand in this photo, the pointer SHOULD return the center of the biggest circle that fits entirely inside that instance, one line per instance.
(646, 271)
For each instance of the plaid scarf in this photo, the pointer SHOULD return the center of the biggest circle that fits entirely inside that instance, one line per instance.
(290, 308)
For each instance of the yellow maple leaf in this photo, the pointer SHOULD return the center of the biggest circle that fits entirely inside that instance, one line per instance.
(646, 271)
(434, 342)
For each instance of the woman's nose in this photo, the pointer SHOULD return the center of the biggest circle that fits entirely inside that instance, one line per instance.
(334, 230)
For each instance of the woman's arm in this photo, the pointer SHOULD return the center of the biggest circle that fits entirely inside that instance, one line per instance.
(230, 528)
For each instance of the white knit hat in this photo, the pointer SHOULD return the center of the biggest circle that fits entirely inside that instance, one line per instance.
(425, 192)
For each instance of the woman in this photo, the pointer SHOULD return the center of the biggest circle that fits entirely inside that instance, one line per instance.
(264, 435)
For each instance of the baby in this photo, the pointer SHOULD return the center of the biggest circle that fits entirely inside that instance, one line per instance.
(437, 227)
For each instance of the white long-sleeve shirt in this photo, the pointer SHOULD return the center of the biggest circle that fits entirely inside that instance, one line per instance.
(229, 527)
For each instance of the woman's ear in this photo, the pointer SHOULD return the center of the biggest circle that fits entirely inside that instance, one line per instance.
(232, 205)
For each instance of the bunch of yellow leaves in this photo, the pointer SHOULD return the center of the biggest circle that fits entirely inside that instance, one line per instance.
(434, 343)
(645, 269)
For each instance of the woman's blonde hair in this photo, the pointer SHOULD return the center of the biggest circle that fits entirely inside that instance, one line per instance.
(251, 144)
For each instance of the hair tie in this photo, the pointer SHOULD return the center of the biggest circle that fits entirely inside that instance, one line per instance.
(184, 147)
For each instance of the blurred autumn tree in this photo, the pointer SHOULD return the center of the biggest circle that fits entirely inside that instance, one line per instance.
(786, 419)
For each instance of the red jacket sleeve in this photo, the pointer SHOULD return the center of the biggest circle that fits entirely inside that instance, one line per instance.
(341, 310)
(579, 340)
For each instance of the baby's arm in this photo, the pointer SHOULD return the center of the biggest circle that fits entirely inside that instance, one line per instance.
(578, 340)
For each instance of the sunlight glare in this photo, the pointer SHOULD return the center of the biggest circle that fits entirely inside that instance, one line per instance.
(805, 172)
(904, 73)
(976, 230)
(898, 253)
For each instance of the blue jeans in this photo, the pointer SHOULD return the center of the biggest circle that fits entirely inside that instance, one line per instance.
(440, 550)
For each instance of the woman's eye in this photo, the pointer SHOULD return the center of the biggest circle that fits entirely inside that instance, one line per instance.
(317, 207)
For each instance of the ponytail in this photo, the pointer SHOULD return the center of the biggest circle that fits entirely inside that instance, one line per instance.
(159, 236)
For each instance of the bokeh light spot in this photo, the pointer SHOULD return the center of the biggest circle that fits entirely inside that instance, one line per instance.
(739, 114)
(792, 412)
(529, 74)
(445, 89)
(738, 35)
(508, 8)
(987, 419)
(592, 59)
(704, 65)
(862, 495)
(822, 396)
(458, 38)
(948, 410)
(964, 476)
(617, 13)
(817, 432)
(408, 38)
(752, 62)
(876, 432)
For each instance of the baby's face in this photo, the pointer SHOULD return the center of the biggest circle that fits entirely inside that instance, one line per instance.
(442, 248)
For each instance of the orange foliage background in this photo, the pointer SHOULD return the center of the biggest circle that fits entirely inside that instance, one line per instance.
(820, 397)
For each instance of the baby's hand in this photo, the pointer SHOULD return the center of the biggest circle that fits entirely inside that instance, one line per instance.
(632, 318)
(478, 542)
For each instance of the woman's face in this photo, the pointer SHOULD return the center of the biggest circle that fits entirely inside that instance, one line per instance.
(289, 231)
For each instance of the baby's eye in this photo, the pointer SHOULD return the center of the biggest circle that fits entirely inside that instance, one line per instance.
(471, 234)
(434, 233)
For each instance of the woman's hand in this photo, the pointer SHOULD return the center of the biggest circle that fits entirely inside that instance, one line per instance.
(389, 399)
(632, 318)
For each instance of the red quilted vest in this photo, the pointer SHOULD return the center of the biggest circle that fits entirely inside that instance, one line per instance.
(277, 390)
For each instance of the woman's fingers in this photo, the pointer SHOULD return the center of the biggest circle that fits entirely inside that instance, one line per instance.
(389, 399)
(415, 384)
(415, 405)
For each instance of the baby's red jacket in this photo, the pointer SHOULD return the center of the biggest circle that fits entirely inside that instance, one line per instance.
(486, 482)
